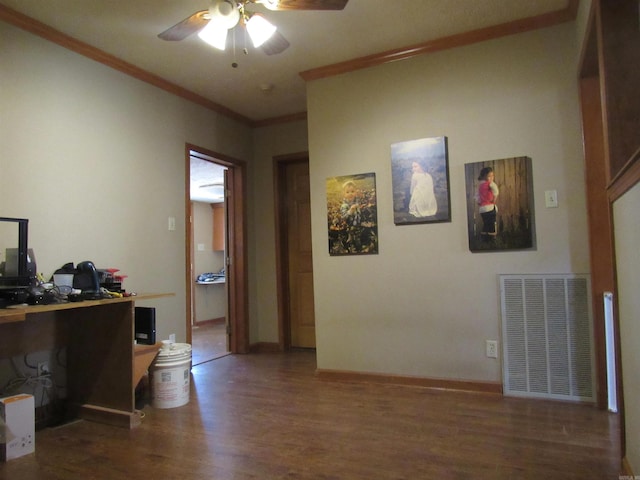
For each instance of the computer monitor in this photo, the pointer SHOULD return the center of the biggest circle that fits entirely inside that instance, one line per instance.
(17, 262)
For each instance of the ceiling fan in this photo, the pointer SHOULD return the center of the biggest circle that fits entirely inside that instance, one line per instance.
(213, 24)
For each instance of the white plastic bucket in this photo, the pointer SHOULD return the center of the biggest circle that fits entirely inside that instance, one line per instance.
(170, 376)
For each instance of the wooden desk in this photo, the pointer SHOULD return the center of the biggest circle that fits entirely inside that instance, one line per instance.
(144, 355)
(98, 336)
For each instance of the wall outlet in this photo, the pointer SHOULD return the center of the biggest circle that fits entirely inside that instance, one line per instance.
(492, 348)
(172, 338)
(43, 368)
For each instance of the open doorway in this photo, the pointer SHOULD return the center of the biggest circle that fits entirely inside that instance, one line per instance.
(209, 337)
(215, 267)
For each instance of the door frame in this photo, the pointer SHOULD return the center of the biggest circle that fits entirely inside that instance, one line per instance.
(280, 164)
(235, 250)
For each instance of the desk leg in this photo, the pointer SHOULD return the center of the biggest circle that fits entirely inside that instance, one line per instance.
(100, 363)
(143, 358)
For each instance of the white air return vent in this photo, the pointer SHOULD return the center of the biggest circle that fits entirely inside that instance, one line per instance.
(547, 336)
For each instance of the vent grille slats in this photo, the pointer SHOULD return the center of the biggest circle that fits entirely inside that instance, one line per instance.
(547, 336)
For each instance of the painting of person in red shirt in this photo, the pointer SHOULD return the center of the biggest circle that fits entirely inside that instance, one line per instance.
(486, 197)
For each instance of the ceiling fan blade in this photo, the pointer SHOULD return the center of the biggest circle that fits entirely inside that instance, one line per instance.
(276, 44)
(186, 27)
(304, 4)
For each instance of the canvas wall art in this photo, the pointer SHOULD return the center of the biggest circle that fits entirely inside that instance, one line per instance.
(352, 214)
(420, 180)
(500, 208)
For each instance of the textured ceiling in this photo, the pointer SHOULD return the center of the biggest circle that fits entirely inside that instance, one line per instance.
(207, 181)
(128, 30)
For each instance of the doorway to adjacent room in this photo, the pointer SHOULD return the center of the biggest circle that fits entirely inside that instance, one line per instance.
(209, 299)
(215, 245)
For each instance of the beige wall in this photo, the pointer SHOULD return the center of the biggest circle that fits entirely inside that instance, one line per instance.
(268, 142)
(425, 305)
(95, 160)
(626, 217)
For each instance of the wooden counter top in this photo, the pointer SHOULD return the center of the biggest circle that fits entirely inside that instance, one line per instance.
(10, 315)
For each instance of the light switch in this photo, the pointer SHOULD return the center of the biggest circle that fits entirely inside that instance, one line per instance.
(201, 247)
(551, 198)
(172, 223)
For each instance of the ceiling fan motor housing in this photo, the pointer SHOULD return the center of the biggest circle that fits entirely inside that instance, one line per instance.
(225, 13)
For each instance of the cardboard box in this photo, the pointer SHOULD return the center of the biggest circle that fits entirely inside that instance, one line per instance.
(17, 426)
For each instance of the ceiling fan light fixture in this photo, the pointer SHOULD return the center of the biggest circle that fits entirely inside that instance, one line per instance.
(260, 29)
(225, 13)
(270, 4)
(215, 35)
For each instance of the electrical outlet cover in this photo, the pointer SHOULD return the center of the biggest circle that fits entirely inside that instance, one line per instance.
(43, 368)
(492, 349)
(551, 198)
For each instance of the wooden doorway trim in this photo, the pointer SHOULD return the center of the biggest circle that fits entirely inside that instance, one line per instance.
(237, 270)
(282, 280)
(612, 163)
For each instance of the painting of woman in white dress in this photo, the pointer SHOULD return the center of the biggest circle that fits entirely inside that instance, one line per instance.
(423, 201)
(420, 177)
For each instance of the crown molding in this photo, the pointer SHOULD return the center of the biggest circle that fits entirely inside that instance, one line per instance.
(294, 117)
(567, 14)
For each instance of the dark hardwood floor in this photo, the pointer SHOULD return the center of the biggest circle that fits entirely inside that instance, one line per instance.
(209, 341)
(266, 416)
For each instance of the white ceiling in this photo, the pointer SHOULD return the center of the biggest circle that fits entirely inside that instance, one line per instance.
(207, 181)
(128, 30)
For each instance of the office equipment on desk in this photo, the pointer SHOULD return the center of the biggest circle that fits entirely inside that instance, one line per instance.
(111, 279)
(63, 277)
(17, 269)
(90, 281)
(17, 261)
(18, 278)
(87, 281)
(145, 325)
(13, 267)
(63, 280)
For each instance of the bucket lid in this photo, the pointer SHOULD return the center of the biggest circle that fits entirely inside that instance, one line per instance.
(175, 350)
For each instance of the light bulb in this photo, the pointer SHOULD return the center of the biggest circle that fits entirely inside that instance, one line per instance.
(260, 29)
(214, 34)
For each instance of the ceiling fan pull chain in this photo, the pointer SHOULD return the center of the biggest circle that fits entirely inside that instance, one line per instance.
(244, 41)
(235, 63)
